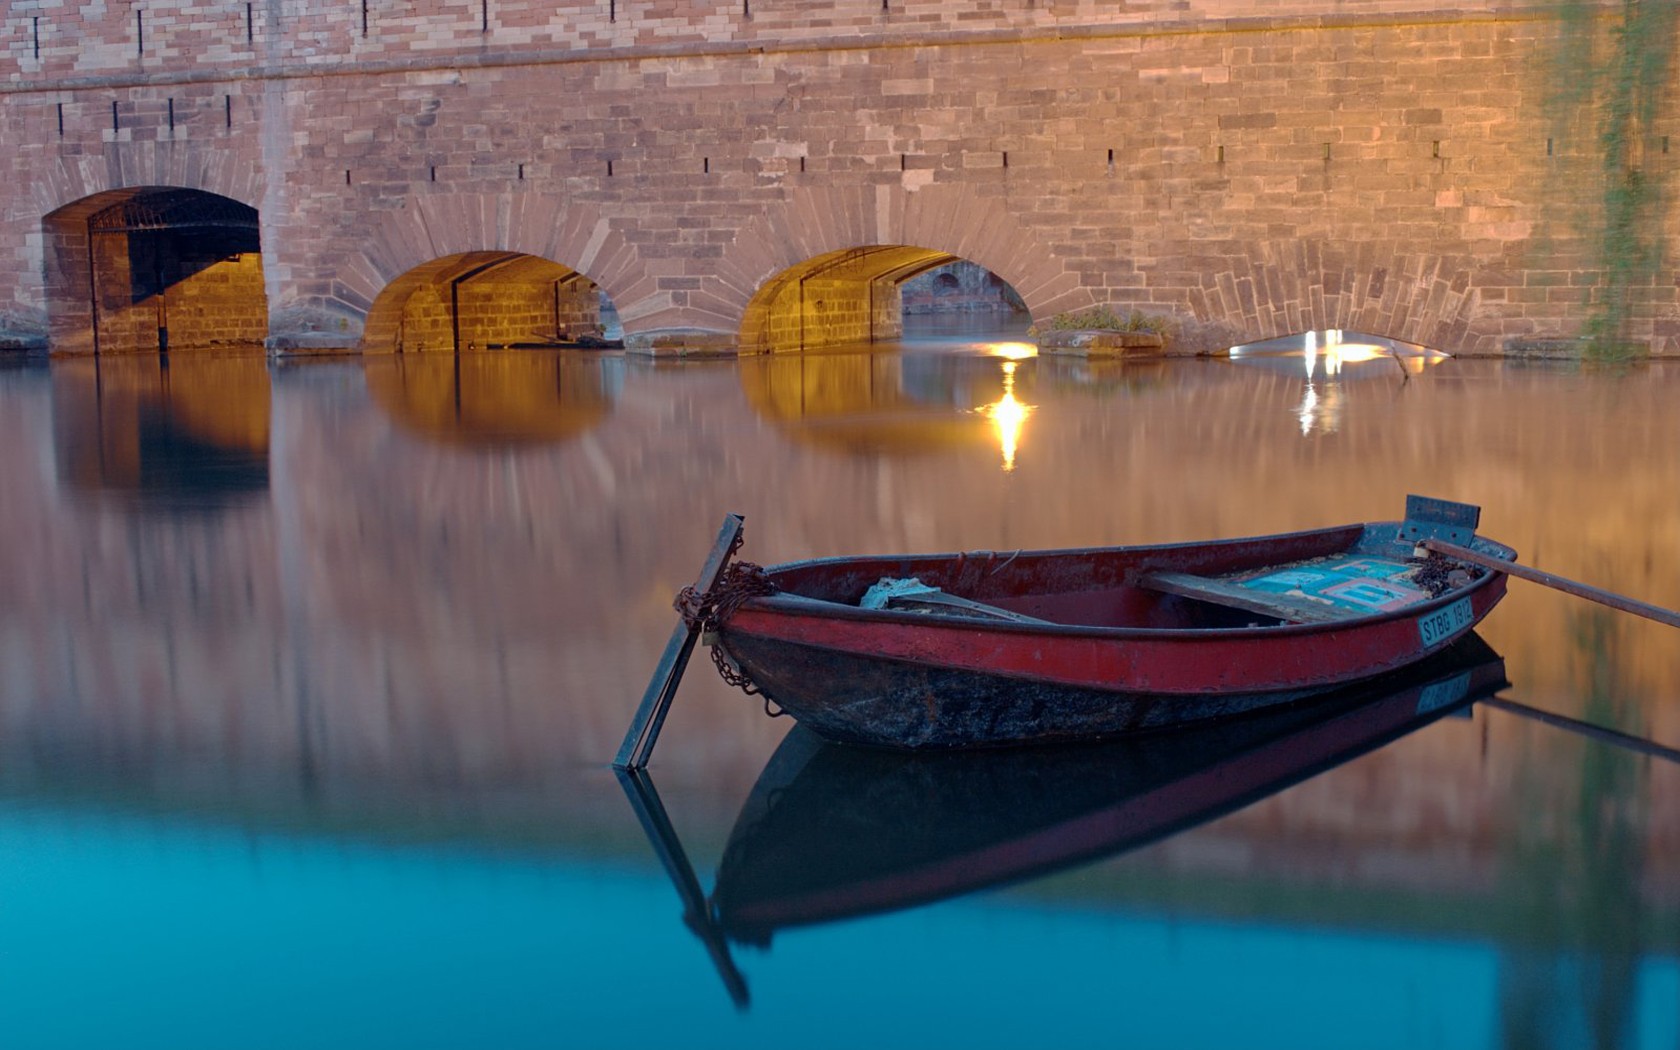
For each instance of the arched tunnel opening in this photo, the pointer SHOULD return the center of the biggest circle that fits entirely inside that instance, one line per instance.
(490, 300)
(154, 269)
(859, 296)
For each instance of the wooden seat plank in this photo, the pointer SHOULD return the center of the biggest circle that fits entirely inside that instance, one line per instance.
(1219, 592)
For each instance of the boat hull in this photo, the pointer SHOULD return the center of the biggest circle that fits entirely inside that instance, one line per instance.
(862, 699)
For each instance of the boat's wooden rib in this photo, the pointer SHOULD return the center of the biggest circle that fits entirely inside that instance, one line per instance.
(1201, 588)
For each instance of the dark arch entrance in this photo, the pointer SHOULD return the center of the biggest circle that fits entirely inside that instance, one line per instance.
(154, 269)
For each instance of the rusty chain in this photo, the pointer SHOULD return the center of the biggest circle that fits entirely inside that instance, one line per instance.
(708, 611)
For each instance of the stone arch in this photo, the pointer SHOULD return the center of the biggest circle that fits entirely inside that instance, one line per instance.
(945, 221)
(1283, 288)
(431, 228)
(130, 165)
(485, 300)
(75, 189)
(849, 296)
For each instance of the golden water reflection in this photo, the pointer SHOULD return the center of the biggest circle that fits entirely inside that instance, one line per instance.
(897, 403)
(161, 429)
(1008, 416)
(438, 619)
(496, 398)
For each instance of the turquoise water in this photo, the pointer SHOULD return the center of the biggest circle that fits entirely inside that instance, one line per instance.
(309, 677)
(145, 931)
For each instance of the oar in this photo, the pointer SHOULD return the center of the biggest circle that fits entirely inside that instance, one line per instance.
(1586, 729)
(656, 702)
(697, 914)
(1557, 583)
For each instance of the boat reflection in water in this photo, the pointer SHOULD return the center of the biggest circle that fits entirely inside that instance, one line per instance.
(832, 831)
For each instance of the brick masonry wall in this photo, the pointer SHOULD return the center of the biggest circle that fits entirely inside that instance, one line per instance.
(218, 305)
(205, 302)
(49, 38)
(828, 312)
(1381, 167)
(495, 314)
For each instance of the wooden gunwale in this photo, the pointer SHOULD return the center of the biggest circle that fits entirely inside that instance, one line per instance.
(789, 604)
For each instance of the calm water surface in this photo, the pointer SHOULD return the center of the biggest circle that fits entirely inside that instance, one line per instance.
(310, 673)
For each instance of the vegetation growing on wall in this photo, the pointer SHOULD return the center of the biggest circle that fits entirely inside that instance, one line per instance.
(1606, 83)
(1102, 319)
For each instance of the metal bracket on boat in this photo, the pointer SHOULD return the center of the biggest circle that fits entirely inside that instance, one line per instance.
(662, 688)
(1439, 519)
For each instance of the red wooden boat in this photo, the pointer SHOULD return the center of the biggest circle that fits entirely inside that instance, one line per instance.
(989, 649)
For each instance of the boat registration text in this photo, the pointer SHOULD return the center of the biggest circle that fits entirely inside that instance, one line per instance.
(1442, 624)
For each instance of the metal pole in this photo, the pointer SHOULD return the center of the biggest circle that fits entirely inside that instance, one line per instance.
(662, 688)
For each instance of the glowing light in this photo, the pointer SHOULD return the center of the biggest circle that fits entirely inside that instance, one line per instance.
(1010, 351)
(1340, 354)
(1308, 409)
(1311, 352)
(1008, 416)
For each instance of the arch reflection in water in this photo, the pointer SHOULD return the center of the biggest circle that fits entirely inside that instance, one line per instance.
(895, 403)
(1099, 376)
(171, 432)
(831, 832)
(506, 398)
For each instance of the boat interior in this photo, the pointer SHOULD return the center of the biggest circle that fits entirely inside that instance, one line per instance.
(1302, 578)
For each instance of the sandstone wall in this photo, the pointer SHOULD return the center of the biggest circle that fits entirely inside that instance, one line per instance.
(1378, 167)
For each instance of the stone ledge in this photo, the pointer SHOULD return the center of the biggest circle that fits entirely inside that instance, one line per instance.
(682, 342)
(1095, 342)
(1534, 348)
(305, 343)
(22, 343)
(1547, 348)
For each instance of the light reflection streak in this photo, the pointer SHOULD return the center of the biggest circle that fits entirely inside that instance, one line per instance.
(1309, 406)
(1008, 416)
(1326, 356)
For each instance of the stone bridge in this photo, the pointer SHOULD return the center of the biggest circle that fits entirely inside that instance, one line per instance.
(744, 176)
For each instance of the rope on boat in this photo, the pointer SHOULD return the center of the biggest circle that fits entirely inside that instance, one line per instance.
(706, 612)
